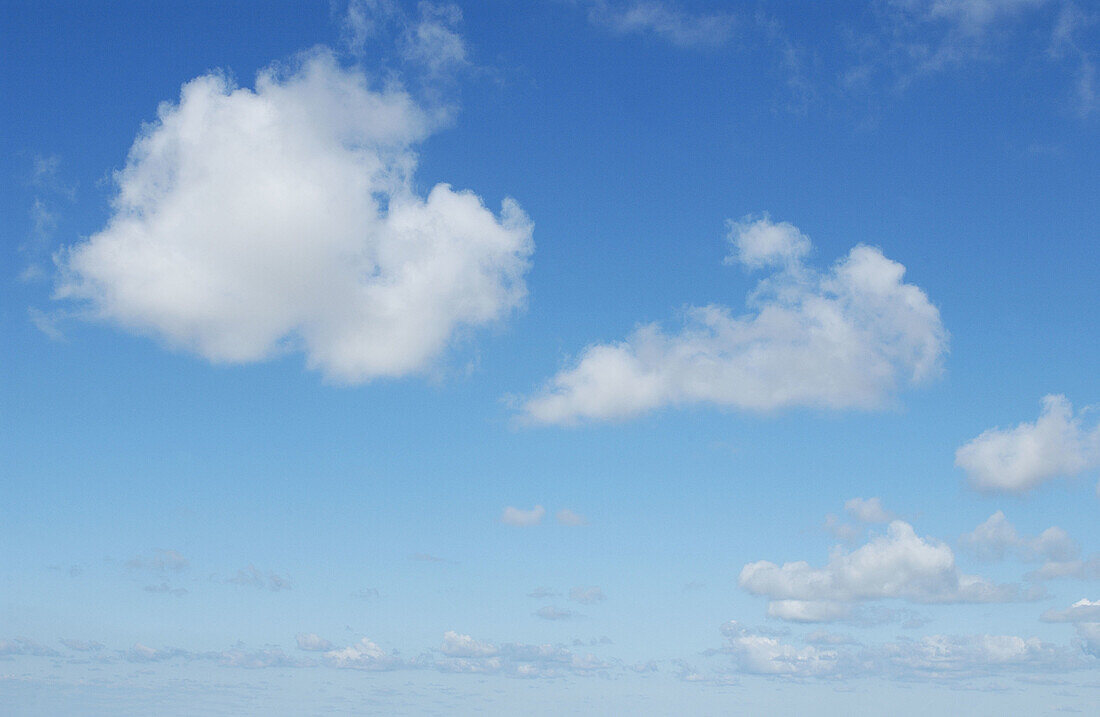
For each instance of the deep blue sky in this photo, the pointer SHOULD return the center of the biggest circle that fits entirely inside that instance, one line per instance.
(194, 517)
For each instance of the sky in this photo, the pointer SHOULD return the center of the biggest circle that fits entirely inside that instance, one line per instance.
(589, 357)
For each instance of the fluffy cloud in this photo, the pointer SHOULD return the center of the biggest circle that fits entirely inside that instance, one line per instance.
(848, 337)
(1083, 610)
(251, 222)
(313, 643)
(1014, 460)
(522, 518)
(996, 537)
(363, 655)
(867, 510)
(758, 654)
(899, 564)
(456, 645)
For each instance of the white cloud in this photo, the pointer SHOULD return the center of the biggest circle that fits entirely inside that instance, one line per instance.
(568, 517)
(313, 643)
(899, 564)
(867, 510)
(249, 223)
(456, 645)
(663, 20)
(1014, 460)
(1084, 610)
(587, 595)
(996, 537)
(765, 655)
(522, 518)
(363, 655)
(759, 242)
(432, 41)
(24, 646)
(848, 337)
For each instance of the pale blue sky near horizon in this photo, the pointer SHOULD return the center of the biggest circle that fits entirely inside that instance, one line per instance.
(187, 521)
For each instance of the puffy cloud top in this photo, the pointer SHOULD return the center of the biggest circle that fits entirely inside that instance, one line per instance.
(844, 338)
(254, 221)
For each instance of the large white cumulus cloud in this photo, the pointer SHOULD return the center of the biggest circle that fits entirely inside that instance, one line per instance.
(847, 337)
(253, 221)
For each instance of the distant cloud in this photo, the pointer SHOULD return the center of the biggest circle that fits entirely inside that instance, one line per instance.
(290, 221)
(554, 613)
(254, 577)
(1019, 459)
(542, 592)
(997, 537)
(663, 20)
(848, 337)
(568, 517)
(159, 561)
(24, 646)
(456, 645)
(166, 589)
(899, 564)
(587, 595)
(363, 655)
(427, 558)
(365, 594)
(522, 518)
(312, 643)
(82, 645)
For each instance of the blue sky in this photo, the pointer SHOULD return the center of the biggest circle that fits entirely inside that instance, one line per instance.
(558, 357)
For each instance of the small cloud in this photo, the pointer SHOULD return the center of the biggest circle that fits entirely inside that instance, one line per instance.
(554, 613)
(522, 518)
(82, 645)
(159, 561)
(568, 517)
(365, 594)
(868, 510)
(165, 589)
(254, 577)
(587, 595)
(313, 643)
(542, 592)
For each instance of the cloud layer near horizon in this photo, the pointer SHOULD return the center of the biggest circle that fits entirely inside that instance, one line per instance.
(250, 222)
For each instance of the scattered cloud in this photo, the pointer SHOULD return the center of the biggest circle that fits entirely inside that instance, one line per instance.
(1019, 459)
(898, 564)
(522, 518)
(312, 643)
(24, 646)
(427, 558)
(254, 577)
(848, 337)
(165, 589)
(432, 42)
(253, 222)
(542, 592)
(663, 20)
(568, 517)
(867, 510)
(456, 645)
(159, 561)
(83, 645)
(363, 655)
(997, 537)
(365, 594)
(587, 595)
